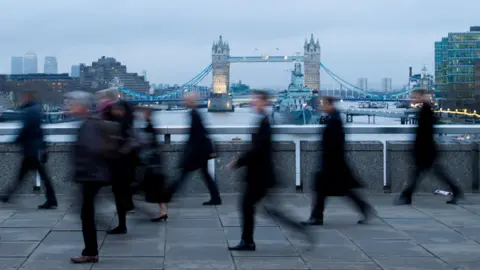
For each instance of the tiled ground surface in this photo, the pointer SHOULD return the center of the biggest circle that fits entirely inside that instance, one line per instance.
(428, 235)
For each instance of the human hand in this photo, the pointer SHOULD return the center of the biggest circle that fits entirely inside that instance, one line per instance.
(232, 164)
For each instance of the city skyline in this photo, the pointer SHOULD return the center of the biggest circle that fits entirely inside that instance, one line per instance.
(376, 40)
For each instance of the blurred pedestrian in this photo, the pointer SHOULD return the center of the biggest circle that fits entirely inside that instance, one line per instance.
(425, 152)
(95, 146)
(198, 150)
(259, 178)
(31, 138)
(153, 181)
(335, 177)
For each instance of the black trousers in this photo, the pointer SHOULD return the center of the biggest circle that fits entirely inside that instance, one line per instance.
(123, 176)
(207, 179)
(320, 199)
(439, 171)
(89, 231)
(33, 164)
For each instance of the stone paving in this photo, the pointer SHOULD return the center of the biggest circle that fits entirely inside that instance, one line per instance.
(427, 235)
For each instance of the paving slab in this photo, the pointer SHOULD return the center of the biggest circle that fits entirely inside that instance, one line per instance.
(426, 235)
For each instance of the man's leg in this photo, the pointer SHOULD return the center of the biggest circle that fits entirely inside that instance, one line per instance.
(90, 252)
(407, 193)
(440, 172)
(251, 196)
(361, 204)
(212, 187)
(316, 217)
(49, 190)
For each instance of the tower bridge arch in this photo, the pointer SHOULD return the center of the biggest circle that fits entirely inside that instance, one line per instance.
(221, 100)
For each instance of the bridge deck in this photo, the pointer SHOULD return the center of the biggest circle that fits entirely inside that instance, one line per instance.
(427, 235)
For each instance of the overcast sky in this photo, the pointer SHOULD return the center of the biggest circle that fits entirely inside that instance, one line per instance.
(171, 40)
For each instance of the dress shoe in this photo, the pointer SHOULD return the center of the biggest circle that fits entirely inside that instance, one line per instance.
(312, 222)
(402, 200)
(243, 246)
(160, 218)
(117, 230)
(85, 259)
(213, 202)
(48, 205)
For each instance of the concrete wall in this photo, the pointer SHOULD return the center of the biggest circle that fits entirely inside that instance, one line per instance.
(231, 180)
(461, 161)
(364, 157)
(457, 158)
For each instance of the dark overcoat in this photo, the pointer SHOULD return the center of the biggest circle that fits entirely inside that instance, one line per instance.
(335, 177)
(199, 147)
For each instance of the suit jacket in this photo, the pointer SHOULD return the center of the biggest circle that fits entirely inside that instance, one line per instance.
(425, 150)
(335, 176)
(258, 160)
(31, 135)
(198, 147)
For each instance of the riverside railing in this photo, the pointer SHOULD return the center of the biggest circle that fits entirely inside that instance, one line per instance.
(300, 136)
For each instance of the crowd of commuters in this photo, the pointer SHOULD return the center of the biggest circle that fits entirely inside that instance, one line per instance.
(109, 149)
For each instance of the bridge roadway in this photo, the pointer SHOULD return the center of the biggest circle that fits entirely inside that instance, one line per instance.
(429, 235)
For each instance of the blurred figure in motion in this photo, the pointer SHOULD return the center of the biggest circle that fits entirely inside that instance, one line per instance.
(153, 181)
(96, 144)
(425, 152)
(123, 167)
(34, 151)
(260, 176)
(198, 150)
(335, 177)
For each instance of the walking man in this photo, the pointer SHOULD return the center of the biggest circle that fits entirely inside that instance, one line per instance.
(34, 151)
(425, 152)
(335, 177)
(259, 178)
(198, 150)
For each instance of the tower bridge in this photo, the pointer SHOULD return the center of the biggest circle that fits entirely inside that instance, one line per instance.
(221, 99)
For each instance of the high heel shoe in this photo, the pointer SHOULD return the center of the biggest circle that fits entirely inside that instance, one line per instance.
(160, 218)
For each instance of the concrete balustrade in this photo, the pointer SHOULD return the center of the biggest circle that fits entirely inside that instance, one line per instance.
(457, 158)
(365, 159)
(461, 160)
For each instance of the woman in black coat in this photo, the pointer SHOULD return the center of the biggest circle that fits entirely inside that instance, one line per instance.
(154, 180)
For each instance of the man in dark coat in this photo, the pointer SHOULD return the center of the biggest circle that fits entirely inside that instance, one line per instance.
(335, 177)
(198, 150)
(123, 168)
(95, 146)
(425, 152)
(259, 178)
(34, 147)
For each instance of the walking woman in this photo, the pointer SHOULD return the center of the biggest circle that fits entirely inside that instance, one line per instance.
(154, 179)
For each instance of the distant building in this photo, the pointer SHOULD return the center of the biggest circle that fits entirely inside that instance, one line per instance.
(75, 72)
(387, 85)
(102, 73)
(362, 83)
(30, 64)
(455, 58)
(51, 88)
(17, 65)
(50, 66)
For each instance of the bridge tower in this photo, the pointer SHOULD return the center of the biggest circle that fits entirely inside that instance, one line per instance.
(311, 62)
(221, 101)
(220, 67)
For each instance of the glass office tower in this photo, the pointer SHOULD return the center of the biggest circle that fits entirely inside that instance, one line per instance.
(455, 58)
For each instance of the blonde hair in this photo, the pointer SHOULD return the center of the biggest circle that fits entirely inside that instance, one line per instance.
(107, 94)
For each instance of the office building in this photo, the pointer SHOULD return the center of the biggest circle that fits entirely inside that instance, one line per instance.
(17, 65)
(50, 66)
(75, 72)
(455, 58)
(107, 72)
(387, 85)
(30, 64)
(362, 83)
